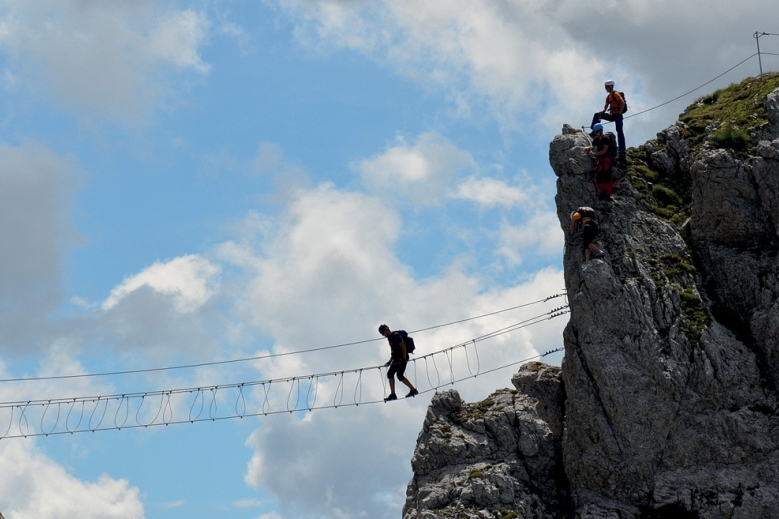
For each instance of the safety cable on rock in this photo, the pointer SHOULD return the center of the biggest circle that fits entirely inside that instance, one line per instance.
(268, 356)
(690, 91)
(694, 89)
(56, 416)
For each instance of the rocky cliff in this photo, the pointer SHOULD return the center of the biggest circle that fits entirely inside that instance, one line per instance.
(666, 402)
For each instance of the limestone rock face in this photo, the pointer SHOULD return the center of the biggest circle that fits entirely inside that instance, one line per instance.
(666, 404)
(737, 239)
(498, 456)
(666, 410)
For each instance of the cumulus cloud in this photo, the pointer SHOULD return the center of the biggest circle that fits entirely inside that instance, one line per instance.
(328, 252)
(269, 158)
(546, 60)
(353, 462)
(344, 460)
(36, 191)
(325, 271)
(187, 279)
(102, 57)
(166, 308)
(322, 271)
(506, 57)
(490, 192)
(35, 487)
(271, 515)
(540, 236)
(420, 172)
(176, 40)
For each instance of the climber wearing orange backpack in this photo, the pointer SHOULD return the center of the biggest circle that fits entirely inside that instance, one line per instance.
(616, 107)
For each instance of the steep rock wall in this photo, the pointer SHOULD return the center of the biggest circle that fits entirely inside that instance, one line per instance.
(671, 363)
(667, 409)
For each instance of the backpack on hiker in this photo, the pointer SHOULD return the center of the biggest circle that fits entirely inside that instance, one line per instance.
(612, 142)
(586, 212)
(622, 95)
(408, 340)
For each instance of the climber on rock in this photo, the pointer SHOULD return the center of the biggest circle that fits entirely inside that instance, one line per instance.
(615, 106)
(601, 150)
(397, 362)
(584, 217)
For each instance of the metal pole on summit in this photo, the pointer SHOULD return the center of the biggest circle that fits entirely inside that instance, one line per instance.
(757, 36)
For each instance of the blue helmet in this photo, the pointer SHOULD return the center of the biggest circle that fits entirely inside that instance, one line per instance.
(597, 127)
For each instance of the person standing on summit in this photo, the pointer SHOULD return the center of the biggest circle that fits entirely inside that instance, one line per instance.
(615, 106)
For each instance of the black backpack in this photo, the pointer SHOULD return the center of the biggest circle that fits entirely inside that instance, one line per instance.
(626, 102)
(612, 142)
(408, 340)
(586, 212)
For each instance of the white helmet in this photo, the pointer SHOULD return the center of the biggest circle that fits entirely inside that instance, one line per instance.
(609, 83)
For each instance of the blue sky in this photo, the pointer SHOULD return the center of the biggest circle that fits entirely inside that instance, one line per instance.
(188, 182)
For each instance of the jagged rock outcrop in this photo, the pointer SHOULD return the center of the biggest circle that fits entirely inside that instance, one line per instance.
(668, 409)
(671, 363)
(499, 457)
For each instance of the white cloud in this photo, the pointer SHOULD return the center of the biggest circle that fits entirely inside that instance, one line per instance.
(420, 172)
(269, 157)
(173, 504)
(506, 57)
(271, 515)
(549, 59)
(187, 279)
(291, 453)
(327, 252)
(35, 487)
(249, 503)
(540, 236)
(490, 192)
(165, 308)
(327, 273)
(327, 456)
(36, 191)
(176, 39)
(322, 272)
(102, 57)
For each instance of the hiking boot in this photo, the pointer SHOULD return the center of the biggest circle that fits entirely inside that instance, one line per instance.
(392, 396)
(597, 255)
(411, 393)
